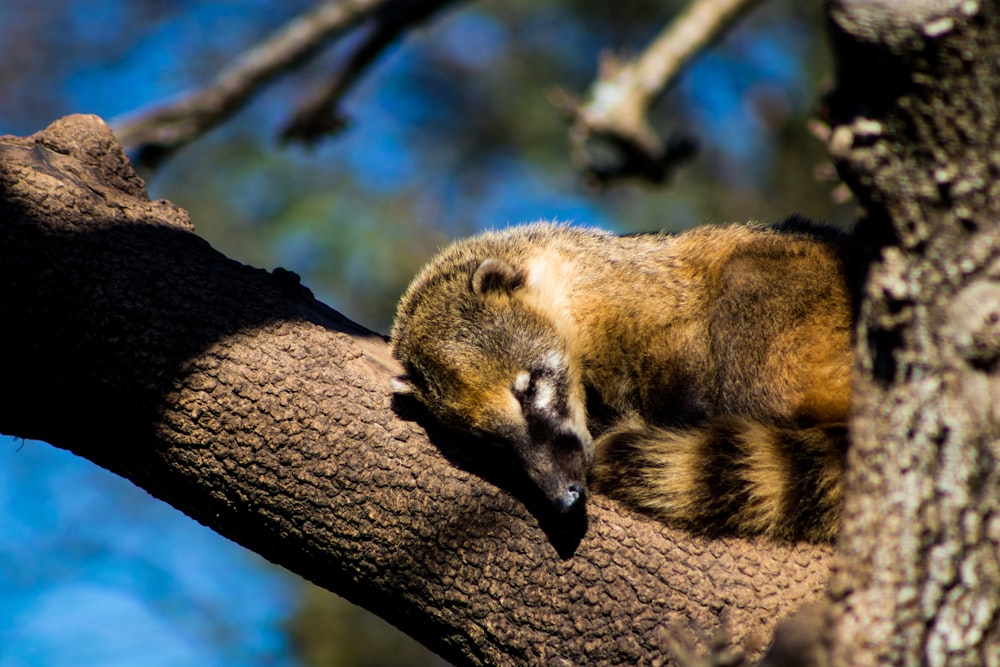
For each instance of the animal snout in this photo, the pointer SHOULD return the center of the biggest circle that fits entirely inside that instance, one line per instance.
(573, 495)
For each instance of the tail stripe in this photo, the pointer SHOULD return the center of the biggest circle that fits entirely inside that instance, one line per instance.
(728, 476)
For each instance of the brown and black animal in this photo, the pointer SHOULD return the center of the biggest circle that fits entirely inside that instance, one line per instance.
(703, 378)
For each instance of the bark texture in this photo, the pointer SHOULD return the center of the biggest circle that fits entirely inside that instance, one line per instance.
(230, 393)
(916, 133)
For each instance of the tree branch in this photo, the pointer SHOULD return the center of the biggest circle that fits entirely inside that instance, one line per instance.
(155, 134)
(617, 104)
(318, 115)
(230, 393)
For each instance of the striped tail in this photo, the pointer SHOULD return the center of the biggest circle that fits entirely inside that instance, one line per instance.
(728, 476)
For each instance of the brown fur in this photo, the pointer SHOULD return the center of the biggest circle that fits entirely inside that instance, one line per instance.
(712, 367)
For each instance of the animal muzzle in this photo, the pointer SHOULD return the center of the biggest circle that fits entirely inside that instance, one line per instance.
(558, 467)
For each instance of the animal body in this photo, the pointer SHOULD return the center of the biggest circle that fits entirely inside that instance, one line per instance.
(703, 378)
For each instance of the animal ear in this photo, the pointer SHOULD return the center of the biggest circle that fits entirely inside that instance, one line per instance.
(495, 275)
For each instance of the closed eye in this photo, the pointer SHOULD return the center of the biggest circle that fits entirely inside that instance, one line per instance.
(536, 390)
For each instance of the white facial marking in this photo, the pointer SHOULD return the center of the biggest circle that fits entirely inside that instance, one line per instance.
(544, 393)
(522, 381)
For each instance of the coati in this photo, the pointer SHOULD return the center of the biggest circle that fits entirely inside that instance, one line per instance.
(703, 378)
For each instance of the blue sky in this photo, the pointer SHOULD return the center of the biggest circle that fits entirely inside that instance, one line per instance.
(94, 571)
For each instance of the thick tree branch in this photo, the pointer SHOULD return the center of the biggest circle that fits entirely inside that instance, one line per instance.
(232, 394)
(616, 106)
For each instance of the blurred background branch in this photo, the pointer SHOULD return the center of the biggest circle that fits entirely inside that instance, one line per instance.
(611, 137)
(153, 134)
(318, 115)
(616, 107)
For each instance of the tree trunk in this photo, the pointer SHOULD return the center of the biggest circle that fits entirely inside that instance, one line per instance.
(915, 134)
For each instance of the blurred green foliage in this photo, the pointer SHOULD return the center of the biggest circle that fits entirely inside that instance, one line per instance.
(331, 632)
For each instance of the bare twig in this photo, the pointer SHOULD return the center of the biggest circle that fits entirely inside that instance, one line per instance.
(153, 134)
(318, 115)
(616, 106)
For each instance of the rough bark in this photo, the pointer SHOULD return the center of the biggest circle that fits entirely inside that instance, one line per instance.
(916, 133)
(230, 393)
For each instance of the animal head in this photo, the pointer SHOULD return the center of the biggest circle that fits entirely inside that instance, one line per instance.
(484, 362)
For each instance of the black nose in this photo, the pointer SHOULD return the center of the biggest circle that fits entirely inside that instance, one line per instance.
(573, 495)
